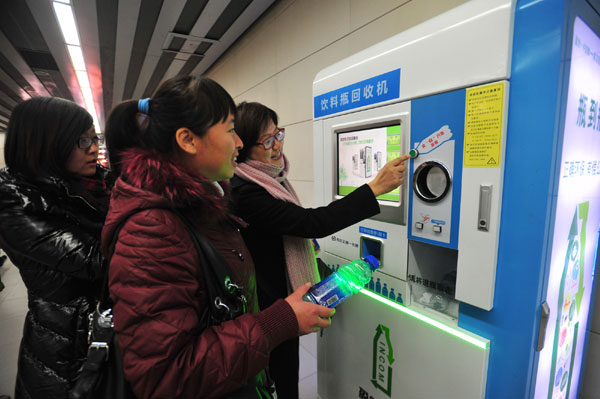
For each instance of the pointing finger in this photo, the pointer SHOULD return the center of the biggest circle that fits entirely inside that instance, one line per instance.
(400, 160)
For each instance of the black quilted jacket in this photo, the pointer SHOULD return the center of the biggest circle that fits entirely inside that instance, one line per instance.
(53, 237)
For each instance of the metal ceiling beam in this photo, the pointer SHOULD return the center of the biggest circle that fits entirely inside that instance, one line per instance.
(245, 20)
(107, 11)
(166, 21)
(6, 101)
(126, 28)
(19, 64)
(16, 89)
(212, 12)
(188, 41)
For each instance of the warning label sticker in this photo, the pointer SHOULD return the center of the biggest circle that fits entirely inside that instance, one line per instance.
(484, 111)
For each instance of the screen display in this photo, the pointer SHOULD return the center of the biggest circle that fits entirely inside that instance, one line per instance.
(362, 154)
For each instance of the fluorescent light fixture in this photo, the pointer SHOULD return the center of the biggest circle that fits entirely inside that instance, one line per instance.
(88, 98)
(66, 20)
(89, 103)
(450, 330)
(82, 77)
(76, 57)
(68, 26)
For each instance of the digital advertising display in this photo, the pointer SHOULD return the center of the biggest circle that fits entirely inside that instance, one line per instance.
(577, 219)
(362, 154)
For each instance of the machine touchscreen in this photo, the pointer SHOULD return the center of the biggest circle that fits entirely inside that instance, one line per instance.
(362, 153)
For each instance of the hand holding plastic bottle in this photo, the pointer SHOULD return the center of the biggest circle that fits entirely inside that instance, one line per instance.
(311, 317)
(389, 177)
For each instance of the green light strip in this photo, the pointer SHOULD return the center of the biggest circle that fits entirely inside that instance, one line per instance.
(428, 320)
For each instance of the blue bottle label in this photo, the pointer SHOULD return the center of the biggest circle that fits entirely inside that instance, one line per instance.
(330, 292)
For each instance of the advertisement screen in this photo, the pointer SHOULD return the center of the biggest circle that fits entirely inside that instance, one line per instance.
(362, 154)
(577, 219)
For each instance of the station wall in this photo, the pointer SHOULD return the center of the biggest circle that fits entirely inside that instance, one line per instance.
(276, 60)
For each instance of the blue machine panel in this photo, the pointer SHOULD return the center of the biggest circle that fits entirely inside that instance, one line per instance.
(437, 132)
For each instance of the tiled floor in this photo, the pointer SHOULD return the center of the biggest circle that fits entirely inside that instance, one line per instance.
(308, 366)
(13, 306)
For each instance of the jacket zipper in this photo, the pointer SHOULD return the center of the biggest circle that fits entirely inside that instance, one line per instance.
(80, 197)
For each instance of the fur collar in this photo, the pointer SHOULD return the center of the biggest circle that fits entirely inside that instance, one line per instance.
(160, 174)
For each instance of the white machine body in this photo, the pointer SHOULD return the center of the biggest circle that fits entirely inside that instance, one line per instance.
(464, 48)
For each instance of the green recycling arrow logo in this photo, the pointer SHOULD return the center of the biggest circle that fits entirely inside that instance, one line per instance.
(383, 357)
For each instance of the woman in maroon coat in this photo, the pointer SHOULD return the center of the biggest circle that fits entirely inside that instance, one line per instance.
(170, 151)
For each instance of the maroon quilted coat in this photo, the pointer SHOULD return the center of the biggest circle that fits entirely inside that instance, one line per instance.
(158, 288)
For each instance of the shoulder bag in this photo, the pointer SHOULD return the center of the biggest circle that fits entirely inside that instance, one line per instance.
(102, 375)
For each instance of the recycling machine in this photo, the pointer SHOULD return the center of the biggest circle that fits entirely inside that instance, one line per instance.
(488, 250)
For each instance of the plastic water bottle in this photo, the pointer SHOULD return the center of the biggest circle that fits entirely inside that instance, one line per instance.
(340, 285)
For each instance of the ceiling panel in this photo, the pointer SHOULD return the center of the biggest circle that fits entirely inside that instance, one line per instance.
(130, 46)
(107, 13)
(154, 58)
(13, 63)
(150, 26)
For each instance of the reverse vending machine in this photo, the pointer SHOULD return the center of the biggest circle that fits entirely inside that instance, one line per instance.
(488, 251)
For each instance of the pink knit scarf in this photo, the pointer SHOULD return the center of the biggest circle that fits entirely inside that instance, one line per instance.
(299, 253)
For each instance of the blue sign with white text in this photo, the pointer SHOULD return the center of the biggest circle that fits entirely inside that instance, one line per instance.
(372, 232)
(374, 90)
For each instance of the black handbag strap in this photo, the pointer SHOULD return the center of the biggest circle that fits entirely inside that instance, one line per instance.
(215, 267)
(212, 261)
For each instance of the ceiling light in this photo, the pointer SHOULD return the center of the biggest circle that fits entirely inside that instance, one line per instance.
(89, 102)
(68, 26)
(82, 77)
(76, 57)
(66, 20)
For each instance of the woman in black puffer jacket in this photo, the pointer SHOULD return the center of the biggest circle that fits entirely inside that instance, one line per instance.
(53, 201)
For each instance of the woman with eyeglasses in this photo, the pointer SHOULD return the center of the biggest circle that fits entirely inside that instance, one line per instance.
(279, 231)
(53, 201)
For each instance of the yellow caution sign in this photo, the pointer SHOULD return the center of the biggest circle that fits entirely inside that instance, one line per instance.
(484, 113)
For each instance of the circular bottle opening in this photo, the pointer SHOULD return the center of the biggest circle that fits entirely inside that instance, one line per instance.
(431, 181)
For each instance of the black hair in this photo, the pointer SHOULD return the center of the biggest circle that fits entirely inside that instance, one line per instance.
(42, 132)
(182, 101)
(250, 120)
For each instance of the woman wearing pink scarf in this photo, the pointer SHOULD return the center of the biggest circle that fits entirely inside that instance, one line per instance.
(280, 229)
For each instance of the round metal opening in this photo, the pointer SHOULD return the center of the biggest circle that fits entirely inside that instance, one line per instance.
(431, 181)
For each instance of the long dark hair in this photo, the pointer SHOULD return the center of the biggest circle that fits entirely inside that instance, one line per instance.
(42, 133)
(183, 101)
(250, 120)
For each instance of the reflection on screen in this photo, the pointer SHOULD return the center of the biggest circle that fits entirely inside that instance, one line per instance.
(362, 153)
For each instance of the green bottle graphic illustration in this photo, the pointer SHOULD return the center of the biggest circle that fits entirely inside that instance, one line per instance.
(569, 300)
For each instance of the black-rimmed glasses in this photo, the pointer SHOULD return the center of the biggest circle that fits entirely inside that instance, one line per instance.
(86, 142)
(269, 141)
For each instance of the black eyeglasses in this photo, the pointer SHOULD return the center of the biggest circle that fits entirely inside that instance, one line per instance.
(86, 142)
(269, 141)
